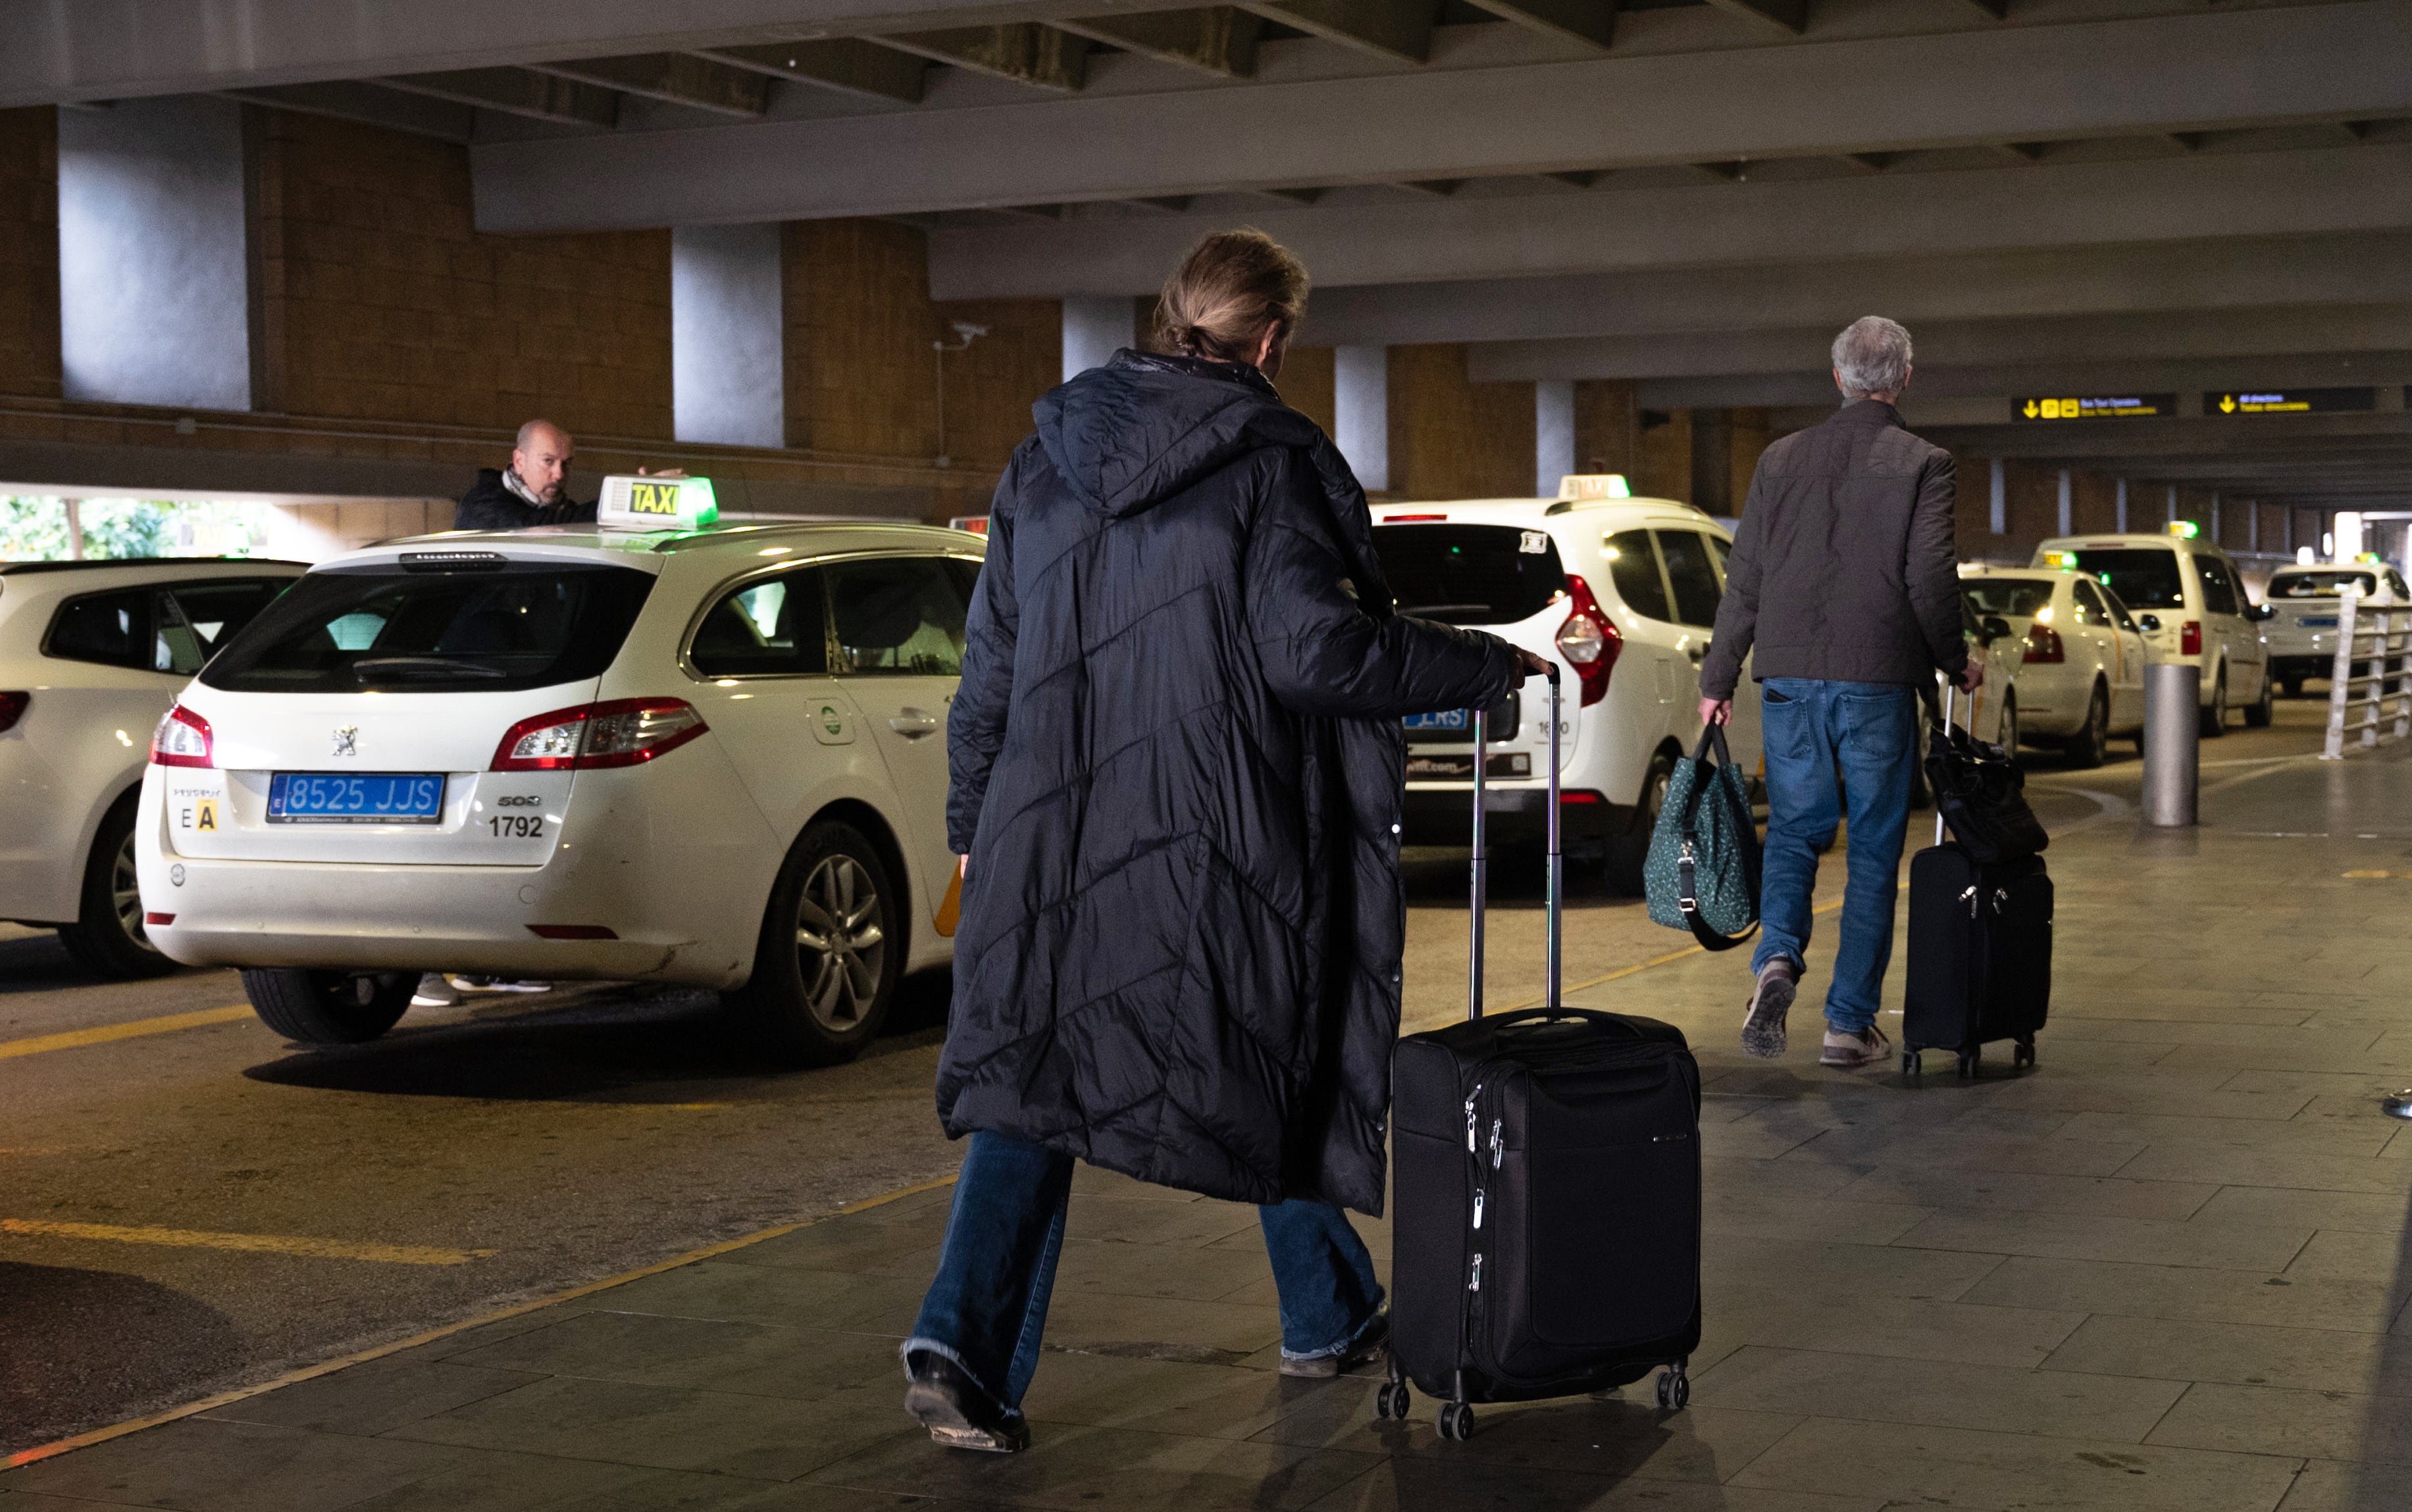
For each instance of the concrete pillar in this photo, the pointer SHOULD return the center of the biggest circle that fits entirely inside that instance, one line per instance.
(2001, 499)
(2067, 525)
(1095, 329)
(154, 301)
(2172, 516)
(1554, 435)
(1360, 406)
(728, 360)
(2215, 516)
(2251, 526)
(2346, 533)
(2122, 506)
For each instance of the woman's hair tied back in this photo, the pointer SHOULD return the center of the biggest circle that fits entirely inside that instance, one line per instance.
(1230, 290)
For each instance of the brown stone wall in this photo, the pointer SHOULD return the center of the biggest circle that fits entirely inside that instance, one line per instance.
(1748, 434)
(29, 252)
(1972, 508)
(2093, 503)
(375, 297)
(1309, 382)
(863, 373)
(1662, 454)
(1452, 438)
(1606, 427)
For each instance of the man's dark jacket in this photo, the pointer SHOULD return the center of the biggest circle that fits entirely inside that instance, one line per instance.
(490, 505)
(1843, 567)
(1178, 770)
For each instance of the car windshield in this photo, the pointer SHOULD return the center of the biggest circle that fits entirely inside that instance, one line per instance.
(2146, 577)
(2012, 597)
(1470, 574)
(2319, 584)
(493, 629)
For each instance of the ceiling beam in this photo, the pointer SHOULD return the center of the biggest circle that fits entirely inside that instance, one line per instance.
(1788, 15)
(2335, 189)
(1399, 31)
(846, 64)
(2321, 61)
(1592, 23)
(1994, 9)
(1969, 375)
(345, 100)
(1023, 52)
(673, 79)
(1216, 39)
(517, 92)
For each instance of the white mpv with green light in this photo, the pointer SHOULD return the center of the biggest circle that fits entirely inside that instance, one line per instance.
(659, 749)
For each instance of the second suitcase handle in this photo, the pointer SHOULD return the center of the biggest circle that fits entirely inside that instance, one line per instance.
(1554, 897)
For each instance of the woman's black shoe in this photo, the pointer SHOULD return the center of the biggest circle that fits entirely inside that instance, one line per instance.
(958, 1413)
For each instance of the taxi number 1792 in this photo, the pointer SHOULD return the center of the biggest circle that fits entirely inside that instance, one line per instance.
(517, 826)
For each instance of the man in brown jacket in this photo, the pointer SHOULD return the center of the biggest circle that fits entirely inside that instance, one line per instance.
(1843, 578)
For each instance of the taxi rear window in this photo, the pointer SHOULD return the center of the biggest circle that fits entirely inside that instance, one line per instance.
(2014, 597)
(1470, 574)
(2146, 577)
(494, 629)
(2321, 584)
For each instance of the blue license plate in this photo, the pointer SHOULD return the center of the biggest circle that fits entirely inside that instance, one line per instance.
(2319, 622)
(356, 798)
(1454, 719)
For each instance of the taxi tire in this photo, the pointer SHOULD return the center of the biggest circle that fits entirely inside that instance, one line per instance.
(1627, 854)
(2259, 715)
(329, 1008)
(2092, 742)
(104, 939)
(2214, 714)
(772, 1007)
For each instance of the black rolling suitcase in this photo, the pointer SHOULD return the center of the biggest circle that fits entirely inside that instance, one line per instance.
(1546, 1233)
(1979, 953)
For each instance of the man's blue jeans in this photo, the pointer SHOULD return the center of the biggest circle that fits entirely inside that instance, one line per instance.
(986, 1308)
(1869, 731)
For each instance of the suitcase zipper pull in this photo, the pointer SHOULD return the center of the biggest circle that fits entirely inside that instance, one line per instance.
(1498, 1152)
(1475, 1285)
(1969, 897)
(1469, 1118)
(1478, 1207)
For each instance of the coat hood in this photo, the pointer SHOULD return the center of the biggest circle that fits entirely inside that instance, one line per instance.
(1143, 427)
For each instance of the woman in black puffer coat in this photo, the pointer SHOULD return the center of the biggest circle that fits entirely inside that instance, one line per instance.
(1177, 775)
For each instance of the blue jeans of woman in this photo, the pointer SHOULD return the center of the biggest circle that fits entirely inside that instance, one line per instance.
(1868, 732)
(987, 1307)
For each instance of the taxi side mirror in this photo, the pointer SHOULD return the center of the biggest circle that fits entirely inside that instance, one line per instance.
(2149, 622)
(2260, 611)
(1995, 628)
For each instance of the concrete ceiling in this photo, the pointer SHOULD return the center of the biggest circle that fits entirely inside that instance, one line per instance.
(2151, 194)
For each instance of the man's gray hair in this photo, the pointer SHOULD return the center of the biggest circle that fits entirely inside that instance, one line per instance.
(1872, 357)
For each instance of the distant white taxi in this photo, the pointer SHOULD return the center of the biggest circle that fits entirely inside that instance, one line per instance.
(2081, 679)
(706, 756)
(2301, 605)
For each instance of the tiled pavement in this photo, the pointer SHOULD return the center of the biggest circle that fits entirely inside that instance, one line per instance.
(2162, 1270)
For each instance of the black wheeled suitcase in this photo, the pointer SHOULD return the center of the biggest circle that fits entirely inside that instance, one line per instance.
(1546, 1227)
(1979, 954)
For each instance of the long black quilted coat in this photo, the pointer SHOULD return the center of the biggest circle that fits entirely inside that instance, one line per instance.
(1177, 770)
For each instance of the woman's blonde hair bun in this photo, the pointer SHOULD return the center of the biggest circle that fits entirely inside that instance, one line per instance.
(1233, 288)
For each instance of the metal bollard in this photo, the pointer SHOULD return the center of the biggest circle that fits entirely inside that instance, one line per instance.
(2173, 726)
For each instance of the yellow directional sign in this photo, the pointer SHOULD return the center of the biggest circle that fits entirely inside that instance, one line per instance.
(2294, 400)
(2095, 407)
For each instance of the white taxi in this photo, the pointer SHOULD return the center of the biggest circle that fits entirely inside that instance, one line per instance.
(2080, 679)
(2301, 608)
(1624, 591)
(708, 755)
(2189, 604)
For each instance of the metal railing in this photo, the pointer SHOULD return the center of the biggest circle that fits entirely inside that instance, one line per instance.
(2374, 636)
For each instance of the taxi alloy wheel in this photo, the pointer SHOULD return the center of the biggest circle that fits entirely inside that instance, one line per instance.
(2258, 713)
(826, 969)
(107, 936)
(2214, 714)
(2087, 746)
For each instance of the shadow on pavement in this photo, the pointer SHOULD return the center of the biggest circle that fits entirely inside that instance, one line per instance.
(616, 1045)
(76, 1335)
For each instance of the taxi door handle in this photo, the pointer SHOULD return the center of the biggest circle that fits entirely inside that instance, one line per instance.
(913, 724)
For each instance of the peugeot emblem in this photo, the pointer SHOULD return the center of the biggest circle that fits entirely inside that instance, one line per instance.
(347, 741)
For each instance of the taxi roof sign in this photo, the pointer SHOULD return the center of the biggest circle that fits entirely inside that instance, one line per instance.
(1593, 486)
(2184, 530)
(637, 503)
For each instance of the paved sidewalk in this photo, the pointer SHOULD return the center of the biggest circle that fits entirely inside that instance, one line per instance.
(2159, 1271)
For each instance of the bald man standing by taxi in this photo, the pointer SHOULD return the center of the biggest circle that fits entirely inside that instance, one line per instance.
(531, 492)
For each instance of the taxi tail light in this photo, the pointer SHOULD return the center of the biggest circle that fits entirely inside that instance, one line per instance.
(1583, 796)
(2190, 639)
(624, 732)
(154, 917)
(2043, 645)
(181, 740)
(12, 709)
(1589, 641)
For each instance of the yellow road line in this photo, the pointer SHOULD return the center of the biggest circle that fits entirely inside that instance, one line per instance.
(135, 1028)
(194, 1238)
(222, 1399)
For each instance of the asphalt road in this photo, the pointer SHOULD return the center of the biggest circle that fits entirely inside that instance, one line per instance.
(200, 1205)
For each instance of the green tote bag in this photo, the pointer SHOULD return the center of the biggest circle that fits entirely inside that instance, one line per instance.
(1702, 872)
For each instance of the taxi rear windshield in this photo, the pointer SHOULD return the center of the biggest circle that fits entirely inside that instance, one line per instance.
(2012, 597)
(1470, 574)
(476, 630)
(2321, 584)
(2144, 576)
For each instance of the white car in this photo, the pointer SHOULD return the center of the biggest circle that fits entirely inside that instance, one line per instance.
(2081, 679)
(91, 655)
(1624, 593)
(2302, 623)
(710, 757)
(2187, 600)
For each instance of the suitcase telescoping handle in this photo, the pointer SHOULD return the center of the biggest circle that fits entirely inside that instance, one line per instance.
(1948, 689)
(1556, 899)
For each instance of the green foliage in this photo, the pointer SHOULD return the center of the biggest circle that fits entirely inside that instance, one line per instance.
(35, 528)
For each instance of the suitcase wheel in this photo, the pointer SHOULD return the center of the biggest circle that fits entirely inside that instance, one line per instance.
(1969, 1060)
(1456, 1421)
(1393, 1400)
(1674, 1388)
(2022, 1054)
(1911, 1064)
